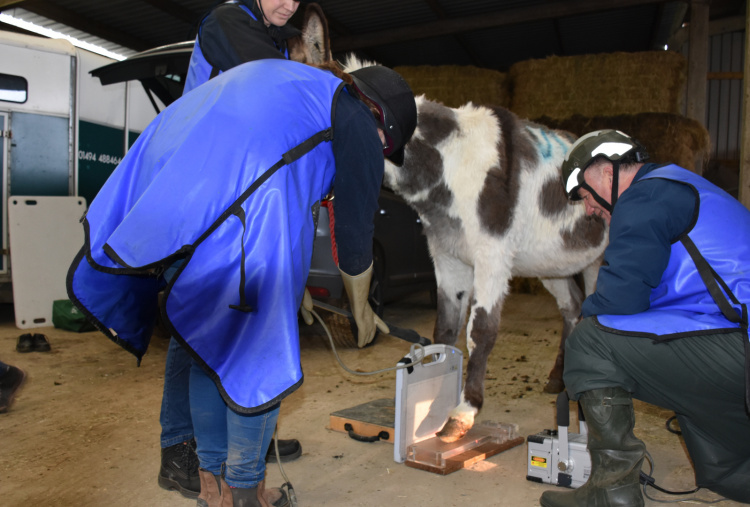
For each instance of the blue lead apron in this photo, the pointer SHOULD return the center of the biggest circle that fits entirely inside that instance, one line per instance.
(199, 70)
(224, 179)
(702, 291)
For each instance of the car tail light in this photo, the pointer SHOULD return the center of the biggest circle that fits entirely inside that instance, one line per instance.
(318, 292)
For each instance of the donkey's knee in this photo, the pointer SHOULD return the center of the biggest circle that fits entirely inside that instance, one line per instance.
(448, 322)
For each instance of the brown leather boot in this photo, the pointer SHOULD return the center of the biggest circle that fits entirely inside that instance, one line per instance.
(226, 495)
(210, 495)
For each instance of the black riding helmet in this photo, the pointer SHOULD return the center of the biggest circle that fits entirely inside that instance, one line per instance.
(613, 145)
(394, 100)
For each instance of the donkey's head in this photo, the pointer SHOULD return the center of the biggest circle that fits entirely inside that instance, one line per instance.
(313, 46)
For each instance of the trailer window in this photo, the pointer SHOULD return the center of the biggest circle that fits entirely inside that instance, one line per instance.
(13, 88)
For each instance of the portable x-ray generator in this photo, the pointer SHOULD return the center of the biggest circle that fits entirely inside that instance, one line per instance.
(556, 456)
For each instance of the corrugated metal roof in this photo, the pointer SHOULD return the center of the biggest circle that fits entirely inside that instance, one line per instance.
(488, 33)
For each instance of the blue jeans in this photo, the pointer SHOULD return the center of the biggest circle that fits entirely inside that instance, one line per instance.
(225, 439)
(176, 423)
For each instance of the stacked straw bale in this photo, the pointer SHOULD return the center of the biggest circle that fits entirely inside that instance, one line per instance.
(668, 138)
(455, 85)
(598, 85)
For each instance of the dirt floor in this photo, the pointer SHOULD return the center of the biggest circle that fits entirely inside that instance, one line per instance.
(84, 431)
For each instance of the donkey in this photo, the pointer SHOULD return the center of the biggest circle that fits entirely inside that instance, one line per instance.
(488, 189)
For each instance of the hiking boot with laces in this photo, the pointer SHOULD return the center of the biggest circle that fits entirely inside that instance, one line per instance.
(179, 469)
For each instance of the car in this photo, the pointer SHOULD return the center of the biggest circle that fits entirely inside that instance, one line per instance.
(401, 260)
(401, 263)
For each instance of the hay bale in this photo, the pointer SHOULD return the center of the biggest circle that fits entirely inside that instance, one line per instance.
(522, 285)
(669, 138)
(598, 85)
(455, 85)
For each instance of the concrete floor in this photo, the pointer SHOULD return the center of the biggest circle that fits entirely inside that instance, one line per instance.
(85, 432)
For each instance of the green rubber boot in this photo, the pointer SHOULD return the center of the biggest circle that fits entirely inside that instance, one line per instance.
(616, 454)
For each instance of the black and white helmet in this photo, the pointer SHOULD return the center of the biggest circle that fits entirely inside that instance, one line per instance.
(610, 144)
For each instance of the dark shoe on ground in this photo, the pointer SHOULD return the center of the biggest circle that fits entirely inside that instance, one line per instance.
(25, 343)
(289, 450)
(254, 497)
(41, 344)
(179, 469)
(10, 383)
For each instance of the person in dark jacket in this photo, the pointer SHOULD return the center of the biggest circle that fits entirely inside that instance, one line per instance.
(240, 31)
(667, 323)
(233, 33)
(222, 184)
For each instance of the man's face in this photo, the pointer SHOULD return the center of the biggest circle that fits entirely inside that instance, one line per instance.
(600, 180)
(278, 12)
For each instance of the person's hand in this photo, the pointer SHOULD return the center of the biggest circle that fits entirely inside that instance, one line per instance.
(358, 289)
(306, 307)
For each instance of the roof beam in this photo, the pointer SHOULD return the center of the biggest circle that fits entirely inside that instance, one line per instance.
(174, 9)
(473, 56)
(479, 22)
(74, 20)
(7, 3)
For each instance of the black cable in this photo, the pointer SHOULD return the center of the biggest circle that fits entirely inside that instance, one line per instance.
(648, 480)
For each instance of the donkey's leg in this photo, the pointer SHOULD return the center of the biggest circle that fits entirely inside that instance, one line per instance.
(481, 334)
(569, 298)
(453, 295)
(590, 275)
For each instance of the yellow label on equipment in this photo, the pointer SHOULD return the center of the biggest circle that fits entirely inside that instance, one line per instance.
(538, 461)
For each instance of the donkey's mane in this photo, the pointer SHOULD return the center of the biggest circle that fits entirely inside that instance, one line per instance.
(352, 63)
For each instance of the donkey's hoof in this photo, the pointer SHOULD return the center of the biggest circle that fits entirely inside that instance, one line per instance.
(554, 386)
(453, 430)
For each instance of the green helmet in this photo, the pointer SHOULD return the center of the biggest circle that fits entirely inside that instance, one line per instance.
(610, 144)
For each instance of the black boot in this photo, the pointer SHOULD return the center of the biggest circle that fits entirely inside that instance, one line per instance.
(258, 496)
(179, 469)
(616, 454)
(289, 450)
(10, 382)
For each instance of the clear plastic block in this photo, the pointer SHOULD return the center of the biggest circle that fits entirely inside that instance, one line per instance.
(434, 452)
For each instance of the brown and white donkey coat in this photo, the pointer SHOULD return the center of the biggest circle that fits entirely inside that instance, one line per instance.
(487, 187)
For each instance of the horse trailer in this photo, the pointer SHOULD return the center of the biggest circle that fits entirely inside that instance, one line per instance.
(63, 132)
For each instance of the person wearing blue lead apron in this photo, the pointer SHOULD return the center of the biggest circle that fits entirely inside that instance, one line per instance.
(232, 33)
(240, 31)
(245, 157)
(667, 323)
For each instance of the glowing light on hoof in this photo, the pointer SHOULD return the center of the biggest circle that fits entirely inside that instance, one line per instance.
(453, 430)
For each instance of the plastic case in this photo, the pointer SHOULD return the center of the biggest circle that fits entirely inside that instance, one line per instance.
(425, 395)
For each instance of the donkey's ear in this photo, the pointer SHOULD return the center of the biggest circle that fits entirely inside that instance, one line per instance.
(314, 45)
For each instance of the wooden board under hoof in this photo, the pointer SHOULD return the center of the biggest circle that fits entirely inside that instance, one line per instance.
(468, 458)
(372, 420)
